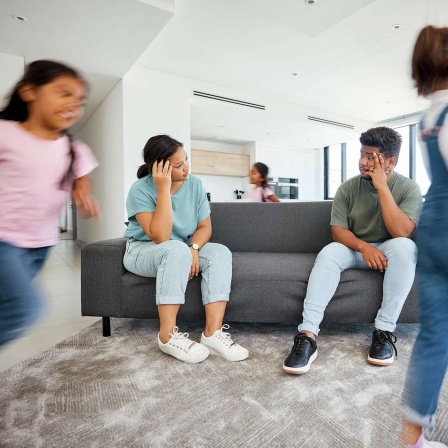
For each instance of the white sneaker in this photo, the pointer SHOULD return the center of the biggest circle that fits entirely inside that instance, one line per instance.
(182, 348)
(428, 444)
(221, 344)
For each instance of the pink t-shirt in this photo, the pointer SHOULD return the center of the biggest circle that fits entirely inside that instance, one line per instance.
(259, 192)
(31, 197)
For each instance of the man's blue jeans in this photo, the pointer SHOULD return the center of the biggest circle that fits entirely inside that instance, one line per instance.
(20, 302)
(332, 260)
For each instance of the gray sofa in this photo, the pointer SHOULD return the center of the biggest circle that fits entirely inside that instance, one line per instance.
(274, 247)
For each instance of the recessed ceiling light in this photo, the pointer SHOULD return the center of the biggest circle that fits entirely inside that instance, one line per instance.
(20, 18)
(310, 2)
(396, 26)
(294, 74)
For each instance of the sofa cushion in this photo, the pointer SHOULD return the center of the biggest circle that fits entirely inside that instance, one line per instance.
(271, 266)
(294, 227)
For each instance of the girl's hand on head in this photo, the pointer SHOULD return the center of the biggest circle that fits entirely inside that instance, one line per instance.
(161, 174)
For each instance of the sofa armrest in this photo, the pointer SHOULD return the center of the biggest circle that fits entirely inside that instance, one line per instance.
(101, 277)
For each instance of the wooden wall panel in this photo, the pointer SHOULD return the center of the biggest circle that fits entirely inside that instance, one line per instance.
(219, 163)
(202, 162)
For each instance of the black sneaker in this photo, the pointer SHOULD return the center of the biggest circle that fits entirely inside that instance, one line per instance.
(303, 353)
(382, 351)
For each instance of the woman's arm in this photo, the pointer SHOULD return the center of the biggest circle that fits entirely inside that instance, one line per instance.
(159, 225)
(200, 237)
(203, 232)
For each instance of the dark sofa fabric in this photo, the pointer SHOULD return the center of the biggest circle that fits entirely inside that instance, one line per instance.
(274, 247)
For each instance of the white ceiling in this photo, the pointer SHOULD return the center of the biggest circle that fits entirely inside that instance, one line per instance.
(348, 59)
(102, 38)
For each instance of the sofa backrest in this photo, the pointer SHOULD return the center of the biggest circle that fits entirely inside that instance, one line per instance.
(289, 227)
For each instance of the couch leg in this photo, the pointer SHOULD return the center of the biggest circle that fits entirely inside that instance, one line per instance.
(106, 326)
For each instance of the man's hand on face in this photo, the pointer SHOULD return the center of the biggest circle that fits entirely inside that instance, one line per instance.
(379, 172)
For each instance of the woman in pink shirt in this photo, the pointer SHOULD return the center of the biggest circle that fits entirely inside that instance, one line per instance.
(39, 164)
(258, 177)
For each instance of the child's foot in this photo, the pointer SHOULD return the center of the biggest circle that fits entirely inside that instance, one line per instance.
(220, 343)
(181, 347)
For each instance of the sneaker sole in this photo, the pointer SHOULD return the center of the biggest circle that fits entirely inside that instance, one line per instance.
(199, 357)
(300, 370)
(241, 357)
(380, 362)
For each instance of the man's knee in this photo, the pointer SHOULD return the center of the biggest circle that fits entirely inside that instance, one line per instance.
(332, 252)
(402, 249)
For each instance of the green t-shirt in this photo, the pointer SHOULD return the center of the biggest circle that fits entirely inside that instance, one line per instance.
(356, 206)
(189, 203)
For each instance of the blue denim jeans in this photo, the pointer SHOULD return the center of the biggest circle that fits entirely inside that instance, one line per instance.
(20, 302)
(429, 360)
(170, 263)
(332, 260)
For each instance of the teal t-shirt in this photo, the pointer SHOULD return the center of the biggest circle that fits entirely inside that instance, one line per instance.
(189, 203)
(356, 206)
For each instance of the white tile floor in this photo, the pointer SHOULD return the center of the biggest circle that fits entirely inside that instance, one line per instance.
(60, 280)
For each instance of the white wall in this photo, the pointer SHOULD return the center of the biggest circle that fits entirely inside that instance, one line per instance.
(12, 70)
(306, 165)
(221, 188)
(281, 162)
(311, 185)
(210, 145)
(154, 103)
(104, 134)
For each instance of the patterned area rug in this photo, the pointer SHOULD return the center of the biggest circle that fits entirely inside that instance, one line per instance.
(90, 391)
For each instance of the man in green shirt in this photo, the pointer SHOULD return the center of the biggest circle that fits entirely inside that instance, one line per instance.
(372, 219)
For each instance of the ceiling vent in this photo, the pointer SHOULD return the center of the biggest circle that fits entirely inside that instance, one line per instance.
(332, 123)
(228, 100)
(416, 115)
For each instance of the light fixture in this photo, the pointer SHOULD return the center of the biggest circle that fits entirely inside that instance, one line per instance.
(294, 74)
(397, 26)
(310, 2)
(20, 18)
